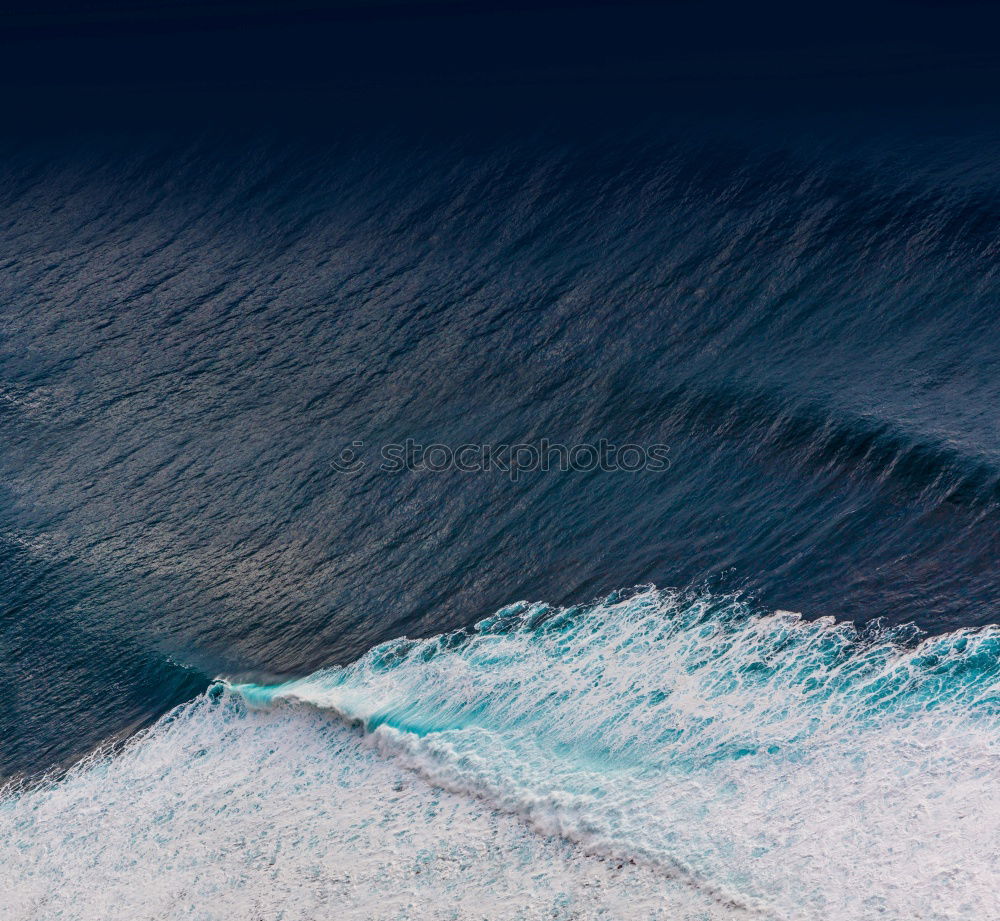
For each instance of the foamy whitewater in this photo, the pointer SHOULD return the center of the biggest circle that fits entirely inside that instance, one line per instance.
(654, 755)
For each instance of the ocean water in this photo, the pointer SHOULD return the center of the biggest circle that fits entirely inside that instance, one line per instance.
(240, 683)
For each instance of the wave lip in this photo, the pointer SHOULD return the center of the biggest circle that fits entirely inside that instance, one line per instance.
(723, 763)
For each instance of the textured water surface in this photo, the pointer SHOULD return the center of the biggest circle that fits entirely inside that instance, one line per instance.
(199, 604)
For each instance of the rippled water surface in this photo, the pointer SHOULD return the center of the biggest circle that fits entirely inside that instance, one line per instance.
(193, 330)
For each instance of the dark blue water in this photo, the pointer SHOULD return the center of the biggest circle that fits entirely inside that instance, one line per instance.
(193, 327)
(244, 246)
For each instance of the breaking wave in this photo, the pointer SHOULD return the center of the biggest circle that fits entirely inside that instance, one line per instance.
(654, 754)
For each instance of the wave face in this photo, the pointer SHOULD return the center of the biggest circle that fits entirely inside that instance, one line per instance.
(656, 754)
(808, 325)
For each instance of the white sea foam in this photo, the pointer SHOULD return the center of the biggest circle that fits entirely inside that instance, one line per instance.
(652, 756)
(224, 813)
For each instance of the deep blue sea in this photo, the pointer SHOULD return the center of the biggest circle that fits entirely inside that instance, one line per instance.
(762, 682)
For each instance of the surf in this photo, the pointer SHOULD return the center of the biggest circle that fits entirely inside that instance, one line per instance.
(655, 753)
